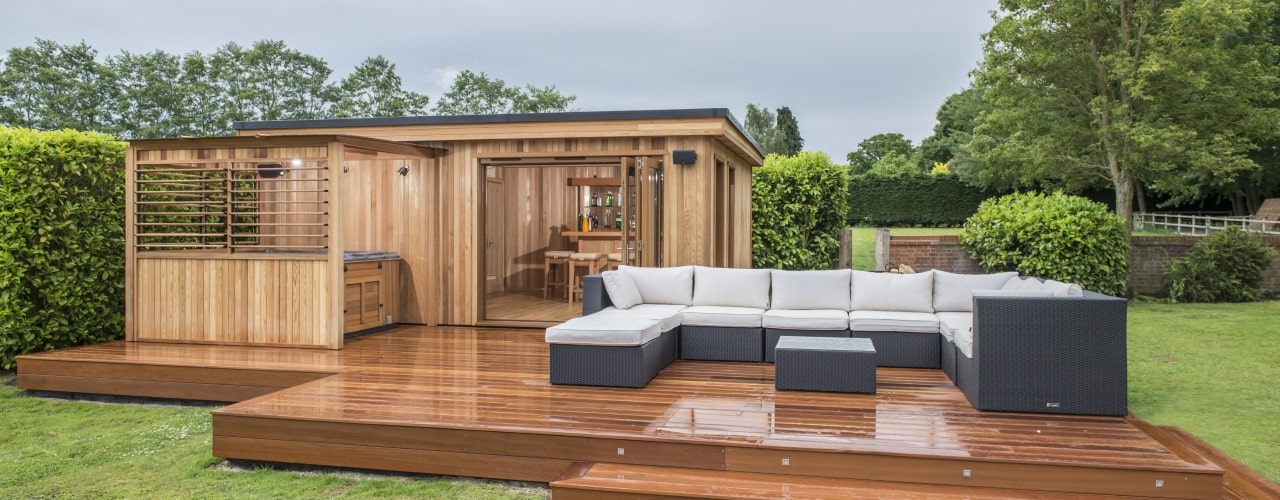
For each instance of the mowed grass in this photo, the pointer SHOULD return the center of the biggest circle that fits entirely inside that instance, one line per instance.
(78, 449)
(1213, 370)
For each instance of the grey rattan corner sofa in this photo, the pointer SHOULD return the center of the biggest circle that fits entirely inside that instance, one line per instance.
(1009, 343)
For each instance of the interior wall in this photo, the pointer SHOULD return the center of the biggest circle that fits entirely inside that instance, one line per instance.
(540, 206)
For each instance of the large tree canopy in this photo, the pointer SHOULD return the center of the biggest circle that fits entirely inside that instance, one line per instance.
(157, 94)
(1175, 93)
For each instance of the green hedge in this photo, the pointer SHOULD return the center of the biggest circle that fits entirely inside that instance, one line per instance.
(919, 200)
(1058, 236)
(61, 240)
(1224, 267)
(798, 207)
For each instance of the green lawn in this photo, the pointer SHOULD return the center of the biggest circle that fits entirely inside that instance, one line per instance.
(1213, 370)
(56, 448)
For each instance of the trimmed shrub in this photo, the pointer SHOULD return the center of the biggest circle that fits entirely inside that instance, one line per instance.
(1057, 236)
(1224, 267)
(918, 200)
(61, 240)
(798, 207)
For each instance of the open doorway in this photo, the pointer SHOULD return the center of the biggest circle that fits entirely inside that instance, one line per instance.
(534, 207)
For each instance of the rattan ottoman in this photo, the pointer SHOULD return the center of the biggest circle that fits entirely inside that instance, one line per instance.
(825, 364)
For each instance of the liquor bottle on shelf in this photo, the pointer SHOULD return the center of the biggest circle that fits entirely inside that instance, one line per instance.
(586, 223)
(595, 223)
(608, 199)
(617, 221)
(595, 199)
(608, 218)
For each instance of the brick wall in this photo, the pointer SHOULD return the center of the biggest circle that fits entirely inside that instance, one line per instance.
(931, 252)
(1148, 258)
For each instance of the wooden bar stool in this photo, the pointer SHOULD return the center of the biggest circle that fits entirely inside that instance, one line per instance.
(615, 260)
(555, 272)
(591, 262)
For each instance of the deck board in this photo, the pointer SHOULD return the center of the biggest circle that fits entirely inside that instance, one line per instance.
(467, 397)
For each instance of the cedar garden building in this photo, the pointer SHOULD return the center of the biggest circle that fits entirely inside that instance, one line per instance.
(296, 233)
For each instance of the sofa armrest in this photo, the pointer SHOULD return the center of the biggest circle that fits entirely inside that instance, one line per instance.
(1039, 353)
(594, 296)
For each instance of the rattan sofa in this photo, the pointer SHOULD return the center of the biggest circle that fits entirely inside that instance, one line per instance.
(1009, 343)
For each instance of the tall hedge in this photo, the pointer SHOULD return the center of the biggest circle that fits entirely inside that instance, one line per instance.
(798, 206)
(925, 200)
(1058, 236)
(61, 240)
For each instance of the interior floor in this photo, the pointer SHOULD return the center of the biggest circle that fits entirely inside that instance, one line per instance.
(528, 305)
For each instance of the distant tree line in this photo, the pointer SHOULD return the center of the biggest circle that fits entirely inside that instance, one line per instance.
(1170, 100)
(774, 133)
(52, 86)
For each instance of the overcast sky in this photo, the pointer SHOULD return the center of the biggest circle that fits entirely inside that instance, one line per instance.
(847, 69)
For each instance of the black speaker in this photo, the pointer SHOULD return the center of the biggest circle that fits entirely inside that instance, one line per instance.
(684, 157)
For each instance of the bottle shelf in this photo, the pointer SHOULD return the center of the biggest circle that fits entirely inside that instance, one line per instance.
(596, 181)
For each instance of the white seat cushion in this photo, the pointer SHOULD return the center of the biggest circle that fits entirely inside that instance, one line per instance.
(892, 292)
(964, 341)
(743, 317)
(806, 319)
(621, 288)
(954, 292)
(893, 321)
(667, 315)
(604, 331)
(810, 289)
(716, 286)
(951, 322)
(663, 285)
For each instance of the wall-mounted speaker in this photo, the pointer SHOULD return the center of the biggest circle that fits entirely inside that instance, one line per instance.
(684, 157)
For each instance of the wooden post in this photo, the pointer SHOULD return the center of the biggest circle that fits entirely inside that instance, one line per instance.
(846, 248)
(882, 249)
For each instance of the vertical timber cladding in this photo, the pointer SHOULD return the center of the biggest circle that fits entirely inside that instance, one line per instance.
(450, 225)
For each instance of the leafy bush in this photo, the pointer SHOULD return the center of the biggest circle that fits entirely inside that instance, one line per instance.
(1224, 267)
(61, 240)
(798, 207)
(1057, 236)
(925, 200)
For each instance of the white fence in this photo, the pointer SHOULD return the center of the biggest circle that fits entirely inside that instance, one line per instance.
(1201, 225)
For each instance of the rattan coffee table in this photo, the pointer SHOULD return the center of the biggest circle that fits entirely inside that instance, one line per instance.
(825, 364)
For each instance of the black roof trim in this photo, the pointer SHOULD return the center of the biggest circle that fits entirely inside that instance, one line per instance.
(656, 114)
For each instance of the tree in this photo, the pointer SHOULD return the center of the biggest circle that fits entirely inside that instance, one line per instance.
(52, 86)
(895, 164)
(478, 94)
(268, 81)
(153, 96)
(373, 89)
(762, 126)
(788, 132)
(958, 116)
(876, 147)
(1119, 92)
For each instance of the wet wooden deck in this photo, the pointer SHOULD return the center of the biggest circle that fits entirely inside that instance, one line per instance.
(476, 402)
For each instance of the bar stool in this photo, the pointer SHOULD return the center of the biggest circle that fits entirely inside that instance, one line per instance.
(554, 265)
(615, 260)
(591, 261)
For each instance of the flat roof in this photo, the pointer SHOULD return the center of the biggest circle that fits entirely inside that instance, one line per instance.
(568, 116)
(284, 141)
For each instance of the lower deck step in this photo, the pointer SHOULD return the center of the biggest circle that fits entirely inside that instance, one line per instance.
(606, 481)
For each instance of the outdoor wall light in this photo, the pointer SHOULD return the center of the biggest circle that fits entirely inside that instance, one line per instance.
(297, 162)
(403, 170)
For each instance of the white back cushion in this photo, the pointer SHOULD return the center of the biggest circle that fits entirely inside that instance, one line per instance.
(1061, 289)
(622, 289)
(810, 289)
(715, 286)
(954, 292)
(892, 292)
(662, 285)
